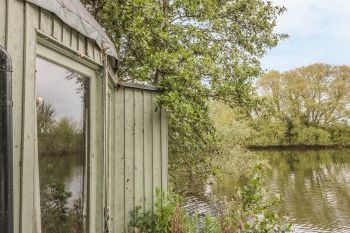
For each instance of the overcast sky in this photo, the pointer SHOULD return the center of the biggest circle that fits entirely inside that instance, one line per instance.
(319, 31)
(52, 86)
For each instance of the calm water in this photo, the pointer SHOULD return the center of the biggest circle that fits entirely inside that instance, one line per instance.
(314, 186)
(65, 169)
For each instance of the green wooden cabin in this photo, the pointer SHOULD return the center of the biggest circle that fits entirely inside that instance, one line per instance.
(64, 81)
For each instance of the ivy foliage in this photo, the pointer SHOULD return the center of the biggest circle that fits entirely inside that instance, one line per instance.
(195, 51)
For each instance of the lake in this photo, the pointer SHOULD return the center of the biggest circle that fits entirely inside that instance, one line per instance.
(64, 169)
(314, 187)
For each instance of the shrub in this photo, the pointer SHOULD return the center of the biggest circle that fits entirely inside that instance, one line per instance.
(252, 211)
(312, 136)
(249, 212)
(55, 211)
(166, 217)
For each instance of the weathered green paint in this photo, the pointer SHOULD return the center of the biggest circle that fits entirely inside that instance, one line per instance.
(3, 7)
(139, 147)
(157, 160)
(164, 149)
(127, 155)
(15, 44)
(29, 112)
(119, 166)
(129, 152)
(148, 149)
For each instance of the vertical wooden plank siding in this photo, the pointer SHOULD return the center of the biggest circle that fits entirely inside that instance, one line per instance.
(57, 29)
(157, 155)
(148, 149)
(164, 149)
(74, 40)
(140, 152)
(46, 22)
(139, 162)
(97, 54)
(119, 153)
(100, 144)
(96, 157)
(92, 170)
(127, 137)
(90, 49)
(66, 35)
(3, 20)
(15, 46)
(81, 44)
(28, 150)
(112, 158)
(129, 153)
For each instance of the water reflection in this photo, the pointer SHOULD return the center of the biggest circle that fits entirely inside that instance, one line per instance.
(61, 146)
(57, 168)
(314, 185)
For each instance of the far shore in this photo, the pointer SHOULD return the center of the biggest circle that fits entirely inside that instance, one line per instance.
(296, 147)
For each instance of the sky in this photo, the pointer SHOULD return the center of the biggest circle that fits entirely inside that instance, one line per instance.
(319, 31)
(55, 90)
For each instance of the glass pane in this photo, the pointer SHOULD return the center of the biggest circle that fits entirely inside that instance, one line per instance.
(61, 146)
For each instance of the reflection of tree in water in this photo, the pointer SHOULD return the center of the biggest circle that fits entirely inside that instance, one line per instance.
(57, 137)
(314, 185)
(58, 140)
(57, 217)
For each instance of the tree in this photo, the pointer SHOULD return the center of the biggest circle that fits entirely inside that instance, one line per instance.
(312, 102)
(194, 50)
(316, 95)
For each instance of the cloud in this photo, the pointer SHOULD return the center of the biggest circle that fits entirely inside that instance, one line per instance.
(319, 32)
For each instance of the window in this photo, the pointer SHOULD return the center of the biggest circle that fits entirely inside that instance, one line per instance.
(61, 133)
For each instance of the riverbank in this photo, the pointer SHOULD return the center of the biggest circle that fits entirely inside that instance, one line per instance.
(302, 147)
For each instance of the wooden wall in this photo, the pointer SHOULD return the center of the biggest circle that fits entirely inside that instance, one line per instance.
(140, 159)
(128, 151)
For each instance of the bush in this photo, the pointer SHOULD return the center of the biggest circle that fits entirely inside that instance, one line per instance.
(55, 211)
(312, 136)
(167, 216)
(250, 211)
(267, 132)
(340, 134)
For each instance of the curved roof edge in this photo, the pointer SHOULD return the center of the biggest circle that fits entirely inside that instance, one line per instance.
(74, 14)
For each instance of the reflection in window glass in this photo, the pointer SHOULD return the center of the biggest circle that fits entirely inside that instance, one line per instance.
(61, 146)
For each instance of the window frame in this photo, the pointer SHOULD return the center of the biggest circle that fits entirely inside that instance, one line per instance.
(55, 52)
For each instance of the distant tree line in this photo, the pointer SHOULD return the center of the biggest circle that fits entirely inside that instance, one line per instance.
(57, 137)
(305, 106)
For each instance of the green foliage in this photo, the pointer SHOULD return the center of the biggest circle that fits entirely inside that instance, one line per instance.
(55, 211)
(249, 211)
(194, 51)
(307, 105)
(311, 136)
(340, 134)
(267, 132)
(166, 217)
(54, 208)
(316, 95)
(233, 132)
(57, 137)
(211, 224)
